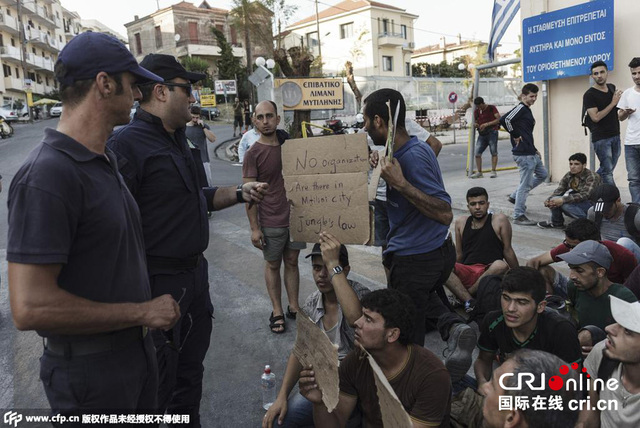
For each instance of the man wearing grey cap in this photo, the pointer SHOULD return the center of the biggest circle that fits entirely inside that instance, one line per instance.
(616, 358)
(618, 222)
(77, 268)
(590, 288)
(158, 167)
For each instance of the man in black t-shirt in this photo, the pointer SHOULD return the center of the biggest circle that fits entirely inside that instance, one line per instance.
(600, 102)
(523, 322)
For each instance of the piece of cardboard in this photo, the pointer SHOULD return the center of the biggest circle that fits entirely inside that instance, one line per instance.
(313, 348)
(393, 413)
(326, 184)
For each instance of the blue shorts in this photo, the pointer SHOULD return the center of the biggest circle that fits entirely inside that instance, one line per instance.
(491, 140)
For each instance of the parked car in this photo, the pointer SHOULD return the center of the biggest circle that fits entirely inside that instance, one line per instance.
(8, 114)
(56, 110)
(209, 113)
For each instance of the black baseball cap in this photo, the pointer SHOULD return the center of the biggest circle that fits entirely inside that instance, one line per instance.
(604, 197)
(87, 54)
(344, 255)
(168, 67)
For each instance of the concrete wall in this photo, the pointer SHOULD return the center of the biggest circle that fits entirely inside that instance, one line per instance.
(566, 135)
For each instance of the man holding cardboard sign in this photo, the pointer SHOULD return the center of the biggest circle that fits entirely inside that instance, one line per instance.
(420, 253)
(270, 222)
(416, 376)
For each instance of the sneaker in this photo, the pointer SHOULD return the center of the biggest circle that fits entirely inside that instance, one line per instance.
(524, 221)
(494, 174)
(470, 306)
(462, 341)
(476, 175)
(549, 225)
(510, 199)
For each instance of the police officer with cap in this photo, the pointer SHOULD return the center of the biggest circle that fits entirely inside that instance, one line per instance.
(161, 172)
(77, 268)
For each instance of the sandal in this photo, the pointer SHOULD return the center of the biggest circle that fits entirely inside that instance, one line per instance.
(291, 315)
(273, 325)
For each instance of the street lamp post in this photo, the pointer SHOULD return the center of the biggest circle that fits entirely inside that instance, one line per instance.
(270, 64)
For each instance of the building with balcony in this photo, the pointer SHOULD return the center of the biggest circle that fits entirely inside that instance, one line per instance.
(376, 37)
(182, 30)
(44, 36)
(98, 27)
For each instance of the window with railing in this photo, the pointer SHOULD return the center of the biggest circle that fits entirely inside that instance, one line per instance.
(6, 70)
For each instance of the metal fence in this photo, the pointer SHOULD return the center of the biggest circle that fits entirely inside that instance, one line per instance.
(430, 94)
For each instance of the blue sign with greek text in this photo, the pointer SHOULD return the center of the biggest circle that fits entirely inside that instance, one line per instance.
(565, 43)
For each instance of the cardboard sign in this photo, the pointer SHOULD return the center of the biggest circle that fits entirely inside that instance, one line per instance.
(314, 348)
(326, 183)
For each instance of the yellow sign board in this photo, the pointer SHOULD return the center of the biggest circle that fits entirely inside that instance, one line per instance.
(311, 94)
(207, 100)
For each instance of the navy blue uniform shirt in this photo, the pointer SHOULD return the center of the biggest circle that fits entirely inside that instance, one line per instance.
(70, 206)
(163, 177)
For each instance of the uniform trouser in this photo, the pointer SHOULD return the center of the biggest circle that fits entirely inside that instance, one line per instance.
(419, 276)
(121, 381)
(181, 351)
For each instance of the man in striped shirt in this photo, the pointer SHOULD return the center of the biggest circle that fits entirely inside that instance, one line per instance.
(519, 122)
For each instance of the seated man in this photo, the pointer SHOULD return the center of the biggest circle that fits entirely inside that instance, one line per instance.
(416, 375)
(576, 232)
(589, 290)
(618, 222)
(617, 357)
(572, 197)
(483, 244)
(523, 323)
(538, 363)
(334, 307)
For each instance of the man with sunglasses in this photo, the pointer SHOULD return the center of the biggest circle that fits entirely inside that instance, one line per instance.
(157, 164)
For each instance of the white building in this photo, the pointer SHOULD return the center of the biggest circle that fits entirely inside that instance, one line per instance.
(377, 38)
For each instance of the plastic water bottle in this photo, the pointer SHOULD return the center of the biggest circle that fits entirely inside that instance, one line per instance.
(268, 382)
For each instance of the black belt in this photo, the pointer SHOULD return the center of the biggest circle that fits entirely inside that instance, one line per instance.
(172, 263)
(109, 342)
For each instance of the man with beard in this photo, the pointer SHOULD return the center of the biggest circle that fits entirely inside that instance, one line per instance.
(270, 222)
(599, 104)
(523, 323)
(416, 375)
(157, 164)
(483, 247)
(420, 253)
(590, 288)
(617, 358)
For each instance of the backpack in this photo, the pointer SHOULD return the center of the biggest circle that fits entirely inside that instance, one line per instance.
(629, 220)
(606, 368)
(562, 307)
(488, 296)
(586, 119)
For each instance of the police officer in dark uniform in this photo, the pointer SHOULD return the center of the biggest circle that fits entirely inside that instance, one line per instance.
(161, 172)
(77, 269)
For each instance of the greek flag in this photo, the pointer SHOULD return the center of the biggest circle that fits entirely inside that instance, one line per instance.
(503, 13)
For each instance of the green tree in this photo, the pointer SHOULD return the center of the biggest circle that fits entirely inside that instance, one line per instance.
(229, 67)
(198, 65)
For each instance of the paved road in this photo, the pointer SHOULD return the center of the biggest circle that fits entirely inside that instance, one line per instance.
(241, 341)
